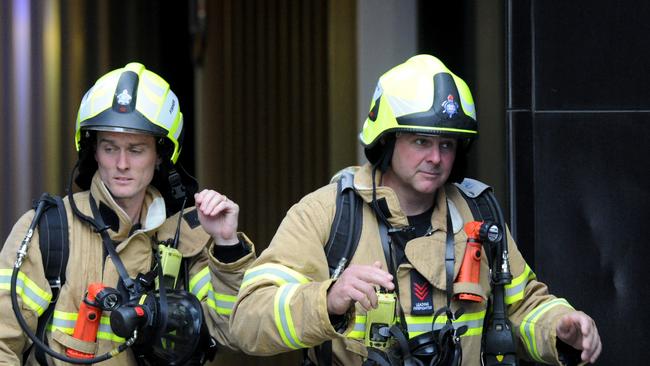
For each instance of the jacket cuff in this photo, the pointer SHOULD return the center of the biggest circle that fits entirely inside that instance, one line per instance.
(232, 257)
(553, 347)
(335, 325)
(230, 253)
(343, 324)
(568, 355)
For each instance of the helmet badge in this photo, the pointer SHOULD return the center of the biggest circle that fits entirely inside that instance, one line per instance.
(450, 106)
(123, 99)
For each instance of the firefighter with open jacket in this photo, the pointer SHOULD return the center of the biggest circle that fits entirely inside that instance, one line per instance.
(293, 301)
(129, 135)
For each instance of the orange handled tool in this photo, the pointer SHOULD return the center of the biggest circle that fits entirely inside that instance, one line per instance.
(470, 268)
(88, 320)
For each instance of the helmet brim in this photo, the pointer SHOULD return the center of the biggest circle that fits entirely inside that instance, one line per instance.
(133, 122)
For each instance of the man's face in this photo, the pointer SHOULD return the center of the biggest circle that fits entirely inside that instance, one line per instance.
(126, 164)
(421, 164)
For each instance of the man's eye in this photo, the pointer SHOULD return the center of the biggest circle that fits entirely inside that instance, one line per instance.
(448, 145)
(136, 151)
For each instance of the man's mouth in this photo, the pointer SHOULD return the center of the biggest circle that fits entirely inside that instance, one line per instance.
(430, 173)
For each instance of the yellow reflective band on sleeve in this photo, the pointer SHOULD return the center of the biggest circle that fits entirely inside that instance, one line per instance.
(65, 322)
(417, 325)
(33, 296)
(200, 283)
(283, 318)
(359, 330)
(515, 289)
(527, 327)
(201, 287)
(278, 274)
(221, 303)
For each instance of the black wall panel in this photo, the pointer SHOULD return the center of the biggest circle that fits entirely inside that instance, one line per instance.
(578, 112)
(590, 202)
(592, 55)
(522, 188)
(518, 55)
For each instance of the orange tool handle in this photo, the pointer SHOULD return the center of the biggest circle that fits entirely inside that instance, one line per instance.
(88, 321)
(470, 268)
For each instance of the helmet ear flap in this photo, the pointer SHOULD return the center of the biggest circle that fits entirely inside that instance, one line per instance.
(175, 184)
(381, 153)
(459, 170)
(388, 147)
(87, 162)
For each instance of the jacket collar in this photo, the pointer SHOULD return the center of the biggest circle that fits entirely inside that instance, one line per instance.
(153, 210)
(363, 186)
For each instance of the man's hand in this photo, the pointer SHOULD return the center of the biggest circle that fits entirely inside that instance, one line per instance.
(357, 284)
(579, 331)
(218, 216)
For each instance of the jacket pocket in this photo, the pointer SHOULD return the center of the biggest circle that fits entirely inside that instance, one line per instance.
(348, 351)
(69, 342)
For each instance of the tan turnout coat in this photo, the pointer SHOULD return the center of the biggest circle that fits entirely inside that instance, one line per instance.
(213, 282)
(282, 302)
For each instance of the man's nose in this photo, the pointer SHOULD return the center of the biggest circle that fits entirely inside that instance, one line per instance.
(122, 161)
(433, 155)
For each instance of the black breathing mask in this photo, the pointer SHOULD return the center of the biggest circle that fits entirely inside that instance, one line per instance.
(169, 328)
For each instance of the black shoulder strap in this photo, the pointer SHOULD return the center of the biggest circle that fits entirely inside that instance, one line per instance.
(476, 194)
(342, 242)
(53, 240)
(54, 245)
(472, 190)
(346, 227)
(498, 345)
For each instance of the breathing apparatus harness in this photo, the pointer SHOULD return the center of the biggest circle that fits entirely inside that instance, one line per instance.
(439, 346)
(498, 343)
(164, 325)
(386, 340)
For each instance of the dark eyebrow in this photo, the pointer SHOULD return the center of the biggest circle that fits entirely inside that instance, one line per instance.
(104, 139)
(112, 142)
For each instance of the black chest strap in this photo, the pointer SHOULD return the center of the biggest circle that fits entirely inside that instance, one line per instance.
(449, 259)
(129, 284)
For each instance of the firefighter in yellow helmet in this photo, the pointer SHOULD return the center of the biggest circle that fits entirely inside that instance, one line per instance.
(396, 298)
(152, 264)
